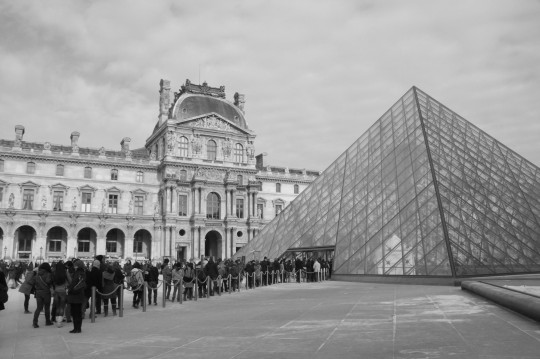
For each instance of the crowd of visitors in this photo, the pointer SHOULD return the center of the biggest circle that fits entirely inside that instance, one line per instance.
(62, 289)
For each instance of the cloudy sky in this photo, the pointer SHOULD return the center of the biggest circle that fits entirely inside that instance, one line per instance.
(316, 74)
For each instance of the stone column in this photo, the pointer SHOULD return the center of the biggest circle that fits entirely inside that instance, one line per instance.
(192, 242)
(202, 245)
(224, 246)
(101, 245)
(233, 242)
(71, 246)
(174, 200)
(233, 202)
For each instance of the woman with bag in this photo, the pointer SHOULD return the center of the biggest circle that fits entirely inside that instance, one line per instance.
(109, 290)
(27, 287)
(43, 284)
(61, 280)
(75, 295)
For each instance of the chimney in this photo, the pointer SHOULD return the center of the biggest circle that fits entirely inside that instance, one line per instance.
(125, 147)
(74, 143)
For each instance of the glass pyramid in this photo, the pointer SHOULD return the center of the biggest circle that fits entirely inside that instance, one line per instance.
(422, 193)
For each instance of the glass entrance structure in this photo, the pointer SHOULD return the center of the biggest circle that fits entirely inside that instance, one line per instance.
(422, 193)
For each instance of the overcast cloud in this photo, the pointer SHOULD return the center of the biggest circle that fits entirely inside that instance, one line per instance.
(316, 74)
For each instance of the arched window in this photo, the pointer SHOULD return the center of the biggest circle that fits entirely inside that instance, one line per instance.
(59, 170)
(183, 146)
(211, 150)
(140, 177)
(213, 204)
(238, 153)
(278, 187)
(296, 189)
(30, 168)
(114, 175)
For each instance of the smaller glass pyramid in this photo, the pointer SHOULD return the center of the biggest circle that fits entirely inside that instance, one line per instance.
(423, 192)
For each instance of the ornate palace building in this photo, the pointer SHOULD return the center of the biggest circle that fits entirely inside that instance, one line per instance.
(195, 188)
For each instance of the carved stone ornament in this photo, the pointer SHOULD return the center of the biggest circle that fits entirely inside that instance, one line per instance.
(47, 146)
(74, 204)
(250, 150)
(152, 156)
(210, 174)
(211, 122)
(170, 143)
(196, 144)
(227, 147)
(11, 202)
(102, 151)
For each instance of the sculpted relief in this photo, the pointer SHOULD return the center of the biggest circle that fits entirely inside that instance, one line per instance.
(211, 122)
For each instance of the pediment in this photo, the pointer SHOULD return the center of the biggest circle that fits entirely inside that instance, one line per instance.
(213, 121)
(87, 188)
(3, 183)
(139, 192)
(58, 187)
(28, 184)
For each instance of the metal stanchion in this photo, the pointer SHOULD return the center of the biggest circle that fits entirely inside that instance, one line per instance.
(196, 287)
(247, 280)
(282, 277)
(144, 293)
(219, 283)
(121, 300)
(272, 277)
(229, 281)
(181, 289)
(163, 299)
(208, 287)
(93, 305)
(266, 278)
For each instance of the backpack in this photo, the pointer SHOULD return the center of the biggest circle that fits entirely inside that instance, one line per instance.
(133, 281)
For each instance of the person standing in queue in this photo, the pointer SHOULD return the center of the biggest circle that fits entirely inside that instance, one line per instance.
(76, 294)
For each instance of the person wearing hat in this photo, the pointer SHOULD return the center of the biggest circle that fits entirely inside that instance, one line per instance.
(76, 296)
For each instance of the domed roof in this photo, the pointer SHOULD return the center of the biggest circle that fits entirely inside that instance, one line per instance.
(193, 105)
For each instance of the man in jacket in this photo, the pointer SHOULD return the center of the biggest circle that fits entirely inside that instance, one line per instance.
(152, 278)
(211, 270)
(43, 283)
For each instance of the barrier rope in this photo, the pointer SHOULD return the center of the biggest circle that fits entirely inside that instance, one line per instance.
(111, 293)
(160, 283)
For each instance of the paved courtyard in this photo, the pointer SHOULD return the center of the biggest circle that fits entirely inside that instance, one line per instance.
(308, 320)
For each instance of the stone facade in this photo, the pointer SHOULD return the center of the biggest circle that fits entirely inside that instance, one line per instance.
(196, 188)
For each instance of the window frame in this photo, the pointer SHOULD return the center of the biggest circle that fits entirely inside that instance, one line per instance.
(139, 177)
(86, 207)
(28, 199)
(113, 203)
(58, 201)
(211, 150)
(239, 207)
(88, 172)
(138, 205)
(296, 189)
(213, 206)
(183, 146)
(183, 205)
(114, 174)
(278, 187)
(60, 170)
(238, 153)
(30, 168)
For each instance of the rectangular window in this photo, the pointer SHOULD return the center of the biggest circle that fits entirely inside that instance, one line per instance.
(55, 245)
(182, 205)
(1, 165)
(58, 200)
(113, 203)
(114, 175)
(137, 246)
(83, 245)
(88, 172)
(59, 170)
(260, 208)
(240, 207)
(110, 246)
(30, 168)
(278, 187)
(28, 199)
(279, 208)
(140, 177)
(139, 202)
(86, 203)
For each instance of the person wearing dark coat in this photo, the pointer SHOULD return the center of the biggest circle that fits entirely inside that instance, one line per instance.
(43, 284)
(211, 270)
(76, 297)
(95, 279)
(109, 292)
(26, 288)
(3, 288)
(152, 278)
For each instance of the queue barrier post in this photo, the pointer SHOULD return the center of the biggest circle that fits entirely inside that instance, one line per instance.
(93, 305)
(219, 283)
(208, 287)
(266, 277)
(247, 280)
(181, 290)
(229, 281)
(144, 294)
(163, 299)
(121, 301)
(196, 287)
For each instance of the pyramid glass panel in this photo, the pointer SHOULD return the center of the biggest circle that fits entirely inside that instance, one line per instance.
(423, 192)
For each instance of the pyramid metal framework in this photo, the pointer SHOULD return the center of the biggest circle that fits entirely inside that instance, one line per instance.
(423, 192)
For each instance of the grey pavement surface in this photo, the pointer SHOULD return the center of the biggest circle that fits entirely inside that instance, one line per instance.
(307, 320)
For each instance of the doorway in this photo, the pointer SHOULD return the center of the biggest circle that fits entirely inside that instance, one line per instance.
(212, 244)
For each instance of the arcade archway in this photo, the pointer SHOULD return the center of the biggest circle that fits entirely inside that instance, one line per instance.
(25, 237)
(212, 244)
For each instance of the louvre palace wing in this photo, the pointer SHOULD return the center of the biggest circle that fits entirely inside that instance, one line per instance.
(423, 192)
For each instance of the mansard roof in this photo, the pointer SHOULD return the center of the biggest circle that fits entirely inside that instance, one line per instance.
(196, 100)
